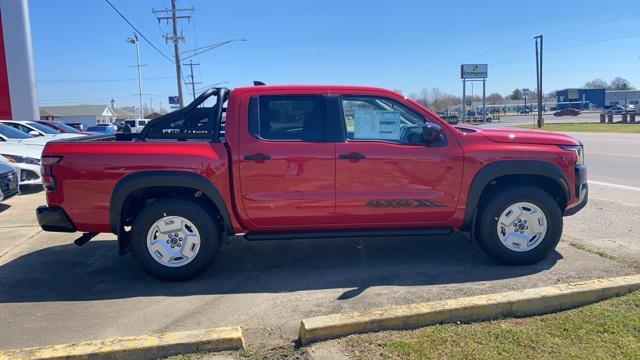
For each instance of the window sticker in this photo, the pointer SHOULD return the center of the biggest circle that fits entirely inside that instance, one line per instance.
(376, 124)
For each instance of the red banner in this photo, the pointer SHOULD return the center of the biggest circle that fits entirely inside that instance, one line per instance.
(5, 96)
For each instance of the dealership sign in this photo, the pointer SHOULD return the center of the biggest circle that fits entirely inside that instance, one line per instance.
(473, 71)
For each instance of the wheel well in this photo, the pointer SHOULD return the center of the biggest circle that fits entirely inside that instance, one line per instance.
(543, 182)
(138, 199)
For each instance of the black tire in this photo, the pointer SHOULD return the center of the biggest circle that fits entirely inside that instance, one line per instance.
(487, 234)
(190, 210)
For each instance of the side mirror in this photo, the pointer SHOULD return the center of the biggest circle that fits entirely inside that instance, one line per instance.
(431, 133)
(34, 133)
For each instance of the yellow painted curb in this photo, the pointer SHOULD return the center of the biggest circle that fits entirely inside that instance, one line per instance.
(475, 308)
(138, 347)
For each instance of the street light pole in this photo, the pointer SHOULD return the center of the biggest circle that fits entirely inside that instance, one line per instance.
(134, 40)
(539, 121)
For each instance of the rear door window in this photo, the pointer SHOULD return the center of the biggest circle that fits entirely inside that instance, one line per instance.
(288, 117)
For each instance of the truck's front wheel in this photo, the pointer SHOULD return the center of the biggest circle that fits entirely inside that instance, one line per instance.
(520, 225)
(174, 239)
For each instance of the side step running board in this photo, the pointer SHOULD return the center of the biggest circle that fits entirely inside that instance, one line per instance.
(347, 234)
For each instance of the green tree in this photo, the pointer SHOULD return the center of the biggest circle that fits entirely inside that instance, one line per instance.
(516, 95)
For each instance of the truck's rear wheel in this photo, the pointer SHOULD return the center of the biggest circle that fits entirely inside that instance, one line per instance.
(520, 225)
(174, 239)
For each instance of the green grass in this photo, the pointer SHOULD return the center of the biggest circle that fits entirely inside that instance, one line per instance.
(606, 330)
(601, 253)
(589, 127)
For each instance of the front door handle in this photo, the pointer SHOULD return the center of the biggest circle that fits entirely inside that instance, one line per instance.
(257, 157)
(352, 156)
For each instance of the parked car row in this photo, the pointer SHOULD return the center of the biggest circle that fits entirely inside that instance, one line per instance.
(22, 142)
(21, 145)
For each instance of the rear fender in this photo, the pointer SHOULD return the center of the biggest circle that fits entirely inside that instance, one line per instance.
(149, 179)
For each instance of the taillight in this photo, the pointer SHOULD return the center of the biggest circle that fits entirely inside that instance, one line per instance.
(46, 168)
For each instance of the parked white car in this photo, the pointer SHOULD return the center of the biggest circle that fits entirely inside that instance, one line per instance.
(34, 129)
(8, 180)
(23, 152)
(136, 125)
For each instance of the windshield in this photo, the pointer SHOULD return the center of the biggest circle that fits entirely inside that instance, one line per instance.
(11, 133)
(45, 129)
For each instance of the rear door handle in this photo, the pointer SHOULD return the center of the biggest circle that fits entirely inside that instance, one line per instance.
(352, 156)
(257, 157)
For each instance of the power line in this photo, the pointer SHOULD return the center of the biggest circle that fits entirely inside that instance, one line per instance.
(100, 80)
(194, 27)
(203, 49)
(595, 42)
(138, 31)
(595, 24)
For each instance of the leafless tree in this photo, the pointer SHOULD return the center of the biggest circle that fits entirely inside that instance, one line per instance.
(435, 98)
(450, 101)
(550, 96)
(495, 98)
(423, 97)
(596, 84)
(621, 84)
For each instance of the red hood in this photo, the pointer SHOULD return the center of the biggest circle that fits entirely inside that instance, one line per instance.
(510, 135)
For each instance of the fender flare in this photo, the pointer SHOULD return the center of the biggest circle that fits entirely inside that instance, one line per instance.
(146, 179)
(500, 168)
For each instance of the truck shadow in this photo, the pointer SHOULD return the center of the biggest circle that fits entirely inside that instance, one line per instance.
(96, 272)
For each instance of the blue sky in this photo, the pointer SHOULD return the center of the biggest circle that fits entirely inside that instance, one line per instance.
(81, 55)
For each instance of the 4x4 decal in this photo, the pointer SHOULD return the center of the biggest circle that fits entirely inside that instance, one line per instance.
(404, 203)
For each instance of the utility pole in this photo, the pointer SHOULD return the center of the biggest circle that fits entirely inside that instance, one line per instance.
(175, 39)
(192, 83)
(134, 40)
(539, 121)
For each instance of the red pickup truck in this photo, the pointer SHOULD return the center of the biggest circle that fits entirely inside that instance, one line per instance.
(291, 162)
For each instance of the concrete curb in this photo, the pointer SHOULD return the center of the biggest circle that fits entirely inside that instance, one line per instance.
(484, 307)
(138, 347)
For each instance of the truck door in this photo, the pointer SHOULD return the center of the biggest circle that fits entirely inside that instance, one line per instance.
(382, 178)
(287, 167)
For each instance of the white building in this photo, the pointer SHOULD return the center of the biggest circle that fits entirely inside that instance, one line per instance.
(87, 115)
(621, 97)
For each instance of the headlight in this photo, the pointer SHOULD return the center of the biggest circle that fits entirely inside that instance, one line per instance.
(22, 159)
(579, 150)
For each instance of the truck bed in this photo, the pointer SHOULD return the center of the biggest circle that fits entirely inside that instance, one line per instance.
(91, 167)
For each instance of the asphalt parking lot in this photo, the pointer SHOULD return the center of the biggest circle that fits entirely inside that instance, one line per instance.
(54, 292)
